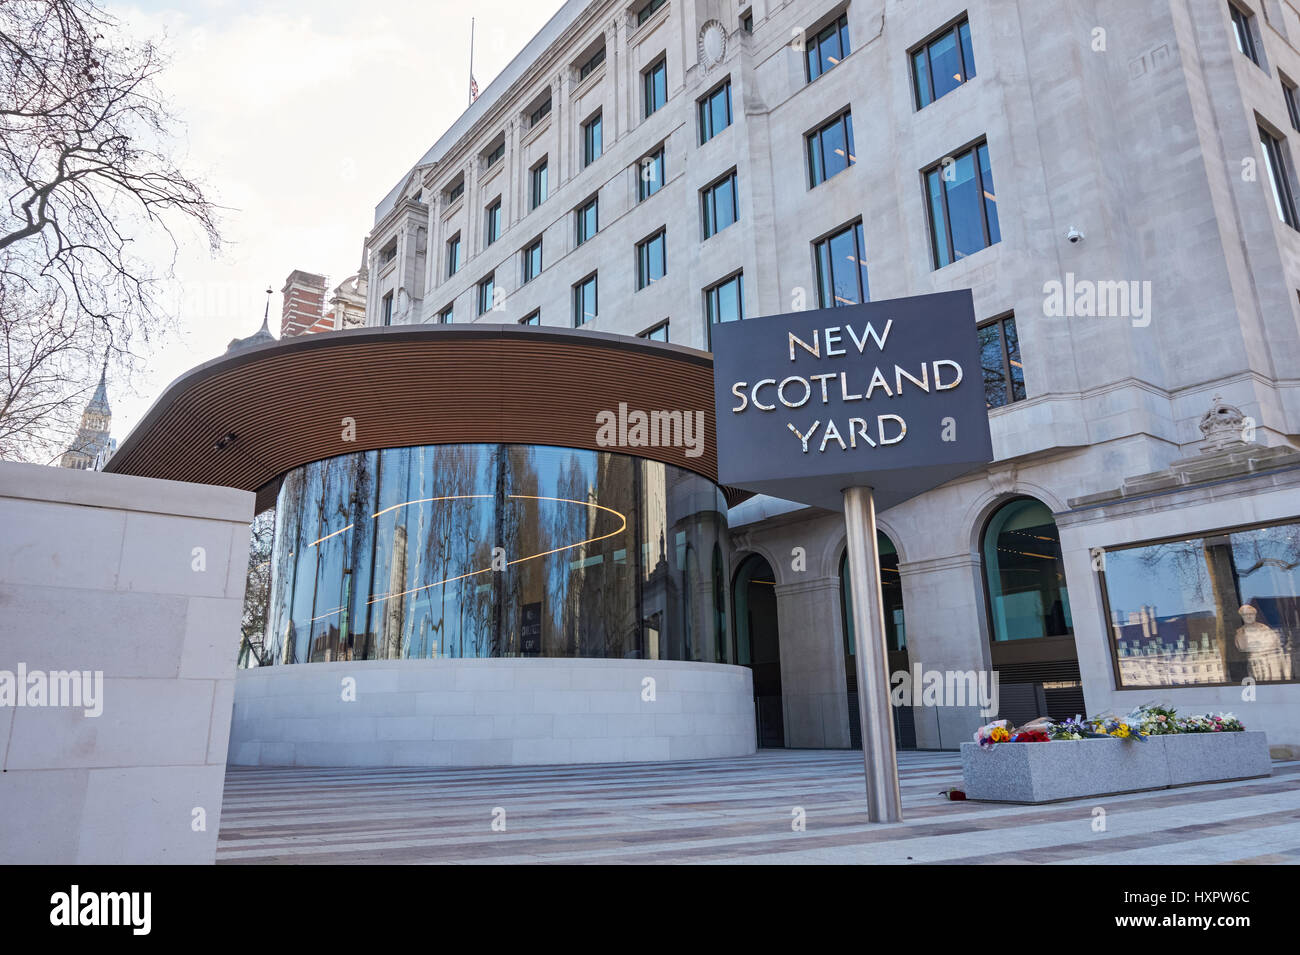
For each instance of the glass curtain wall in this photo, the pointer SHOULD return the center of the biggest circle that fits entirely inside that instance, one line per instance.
(496, 550)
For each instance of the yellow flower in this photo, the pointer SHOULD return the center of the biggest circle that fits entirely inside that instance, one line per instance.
(999, 734)
(1121, 730)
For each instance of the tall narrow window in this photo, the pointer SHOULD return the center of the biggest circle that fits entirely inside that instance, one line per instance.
(650, 175)
(651, 259)
(715, 112)
(1004, 376)
(1292, 97)
(592, 143)
(532, 261)
(827, 47)
(587, 219)
(725, 302)
(386, 308)
(447, 315)
(962, 205)
(942, 64)
(1243, 30)
(830, 149)
(584, 301)
(655, 82)
(486, 294)
(493, 225)
(842, 268)
(1279, 176)
(538, 192)
(453, 255)
(718, 204)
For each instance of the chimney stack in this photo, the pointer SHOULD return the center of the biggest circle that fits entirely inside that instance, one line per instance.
(304, 305)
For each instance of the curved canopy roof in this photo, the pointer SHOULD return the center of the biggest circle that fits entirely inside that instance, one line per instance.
(247, 418)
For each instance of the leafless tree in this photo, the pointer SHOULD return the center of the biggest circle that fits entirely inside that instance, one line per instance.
(91, 194)
(253, 650)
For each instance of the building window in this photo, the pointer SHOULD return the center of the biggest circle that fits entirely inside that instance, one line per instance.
(650, 175)
(1213, 609)
(725, 302)
(718, 204)
(587, 219)
(388, 253)
(747, 21)
(651, 259)
(447, 315)
(539, 114)
(942, 64)
(496, 155)
(655, 84)
(386, 309)
(1291, 94)
(592, 145)
(647, 10)
(657, 334)
(532, 318)
(455, 191)
(589, 67)
(962, 205)
(584, 301)
(454, 261)
(842, 268)
(532, 261)
(1279, 176)
(486, 294)
(830, 149)
(715, 112)
(891, 597)
(1024, 574)
(1243, 29)
(493, 230)
(1004, 375)
(827, 48)
(539, 190)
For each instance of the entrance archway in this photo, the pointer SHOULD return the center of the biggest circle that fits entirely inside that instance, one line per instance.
(891, 592)
(758, 644)
(1031, 631)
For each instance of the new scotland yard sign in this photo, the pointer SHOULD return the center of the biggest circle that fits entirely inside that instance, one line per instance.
(887, 395)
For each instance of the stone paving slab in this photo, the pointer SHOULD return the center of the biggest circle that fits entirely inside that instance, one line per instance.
(733, 811)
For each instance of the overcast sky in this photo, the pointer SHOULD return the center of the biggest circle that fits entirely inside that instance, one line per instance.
(300, 115)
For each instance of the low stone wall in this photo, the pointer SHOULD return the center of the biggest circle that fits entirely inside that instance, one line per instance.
(1075, 769)
(494, 712)
(138, 585)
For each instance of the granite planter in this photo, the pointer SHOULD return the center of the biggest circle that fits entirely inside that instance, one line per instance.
(1075, 769)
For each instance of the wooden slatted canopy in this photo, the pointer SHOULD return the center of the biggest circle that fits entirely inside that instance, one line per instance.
(247, 418)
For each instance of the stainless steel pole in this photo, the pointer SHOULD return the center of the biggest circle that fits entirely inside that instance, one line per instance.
(884, 804)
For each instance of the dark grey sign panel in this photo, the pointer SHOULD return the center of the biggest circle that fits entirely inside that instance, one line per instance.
(887, 395)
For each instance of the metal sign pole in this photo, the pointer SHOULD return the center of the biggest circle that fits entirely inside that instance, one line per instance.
(884, 804)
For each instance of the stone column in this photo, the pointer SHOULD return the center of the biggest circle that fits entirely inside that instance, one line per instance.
(813, 686)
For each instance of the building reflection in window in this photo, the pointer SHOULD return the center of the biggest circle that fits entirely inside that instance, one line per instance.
(891, 596)
(491, 551)
(1204, 610)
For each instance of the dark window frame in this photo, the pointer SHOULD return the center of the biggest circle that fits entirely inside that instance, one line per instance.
(817, 166)
(974, 149)
(709, 204)
(535, 196)
(492, 227)
(1278, 167)
(386, 309)
(859, 248)
(1243, 29)
(968, 70)
(647, 10)
(579, 299)
(838, 27)
(704, 111)
(657, 158)
(593, 139)
(649, 333)
(495, 155)
(650, 76)
(455, 258)
(448, 315)
(532, 318)
(1000, 322)
(711, 294)
(528, 273)
(591, 63)
(579, 218)
(643, 263)
(486, 293)
(1291, 94)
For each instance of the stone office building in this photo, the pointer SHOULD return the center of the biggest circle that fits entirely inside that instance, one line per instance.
(1115, 182)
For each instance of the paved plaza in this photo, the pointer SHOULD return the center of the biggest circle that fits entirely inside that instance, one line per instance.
(732, 811)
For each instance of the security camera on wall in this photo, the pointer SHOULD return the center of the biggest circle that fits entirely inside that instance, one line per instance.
(1074, 235)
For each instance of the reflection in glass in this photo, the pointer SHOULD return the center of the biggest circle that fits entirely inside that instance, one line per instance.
(1028, 597)
(496, 550)
(891, 596)
(1204, 610)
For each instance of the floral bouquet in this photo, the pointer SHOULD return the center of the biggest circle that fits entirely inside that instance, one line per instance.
(999, 731)
(1154, 720)
(1119, 728)
(1210, 723)
(1077, 728)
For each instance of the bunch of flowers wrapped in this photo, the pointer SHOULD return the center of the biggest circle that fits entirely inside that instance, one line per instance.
(1144, 721)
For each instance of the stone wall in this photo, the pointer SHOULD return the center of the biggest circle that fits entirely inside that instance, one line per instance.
(140, 584)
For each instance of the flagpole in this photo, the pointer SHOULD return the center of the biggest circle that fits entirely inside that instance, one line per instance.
(470, 89)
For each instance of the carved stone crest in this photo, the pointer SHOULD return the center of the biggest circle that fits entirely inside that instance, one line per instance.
(712, 44)
(1222, 426)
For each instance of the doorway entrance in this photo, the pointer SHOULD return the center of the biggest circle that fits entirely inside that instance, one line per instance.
(758, 644)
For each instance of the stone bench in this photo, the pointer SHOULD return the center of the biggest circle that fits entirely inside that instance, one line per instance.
(1075, 769)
